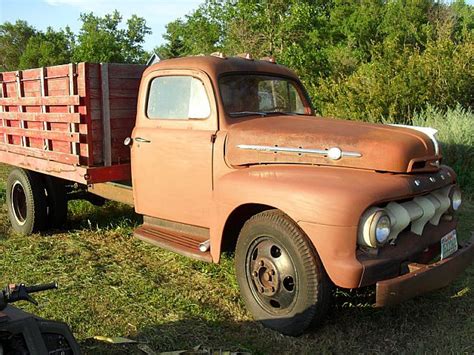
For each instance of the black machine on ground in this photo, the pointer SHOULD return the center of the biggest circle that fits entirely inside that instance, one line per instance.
(24, 333)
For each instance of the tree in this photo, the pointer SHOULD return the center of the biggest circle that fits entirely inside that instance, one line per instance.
(13, 41)
(50, 48)
(201, 32)
(174, 46)
(102, 40)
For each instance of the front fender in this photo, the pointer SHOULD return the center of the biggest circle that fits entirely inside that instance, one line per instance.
(326, 202)
(324, 195)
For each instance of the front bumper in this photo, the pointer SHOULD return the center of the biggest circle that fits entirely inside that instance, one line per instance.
(423, 278)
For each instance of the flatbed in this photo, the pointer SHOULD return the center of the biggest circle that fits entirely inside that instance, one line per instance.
(70, 121)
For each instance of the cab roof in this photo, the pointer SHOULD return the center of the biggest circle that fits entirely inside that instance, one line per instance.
(216, 66)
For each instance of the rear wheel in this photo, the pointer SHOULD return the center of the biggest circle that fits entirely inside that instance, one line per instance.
(57, 201)
(26, 201)
(281, 278)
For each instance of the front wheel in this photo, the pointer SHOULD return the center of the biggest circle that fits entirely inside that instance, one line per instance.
(281, 278)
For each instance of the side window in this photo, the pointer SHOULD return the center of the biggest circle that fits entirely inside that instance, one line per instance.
(178, 98)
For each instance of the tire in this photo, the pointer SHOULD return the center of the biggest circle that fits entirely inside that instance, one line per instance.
(57, 201)
(96, 200)
(281, 278)
(26, 201)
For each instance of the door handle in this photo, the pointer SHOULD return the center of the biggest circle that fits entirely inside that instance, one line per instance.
(142, 140)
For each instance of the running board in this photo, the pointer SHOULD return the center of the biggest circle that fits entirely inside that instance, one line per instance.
(178, 242)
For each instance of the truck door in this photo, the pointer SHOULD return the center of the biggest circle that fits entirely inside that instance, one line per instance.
(172, 147)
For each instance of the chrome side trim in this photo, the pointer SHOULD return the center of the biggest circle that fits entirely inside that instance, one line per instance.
(269, 149)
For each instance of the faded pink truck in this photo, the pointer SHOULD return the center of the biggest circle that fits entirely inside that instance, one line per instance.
(225, 154)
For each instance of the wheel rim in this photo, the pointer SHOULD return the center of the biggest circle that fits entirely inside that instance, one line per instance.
(271, 275)
(18, 203)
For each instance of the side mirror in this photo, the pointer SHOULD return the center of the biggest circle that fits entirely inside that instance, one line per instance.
(128, 141)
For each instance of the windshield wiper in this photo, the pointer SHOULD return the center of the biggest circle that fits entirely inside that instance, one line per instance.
(248, 113)
(264, 113)
(278, 113)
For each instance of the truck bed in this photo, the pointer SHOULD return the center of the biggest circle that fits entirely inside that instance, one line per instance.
(70, 120)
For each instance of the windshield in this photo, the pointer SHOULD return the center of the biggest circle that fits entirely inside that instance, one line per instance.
(253, 94)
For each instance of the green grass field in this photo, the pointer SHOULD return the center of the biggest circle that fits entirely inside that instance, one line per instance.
(114, 285)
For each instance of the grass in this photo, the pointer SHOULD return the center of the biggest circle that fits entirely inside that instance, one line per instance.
(114, 285)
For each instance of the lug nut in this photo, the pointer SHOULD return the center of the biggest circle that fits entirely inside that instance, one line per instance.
(262, 263)
(255, 273)
(262, 290)
(272, 272)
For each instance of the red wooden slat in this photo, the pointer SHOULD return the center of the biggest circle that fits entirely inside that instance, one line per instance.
(34, 133)
(42, 154)
(85, 75)
(38, 101)
(42, 117)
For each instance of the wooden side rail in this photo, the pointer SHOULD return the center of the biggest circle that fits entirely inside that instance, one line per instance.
(42, 117)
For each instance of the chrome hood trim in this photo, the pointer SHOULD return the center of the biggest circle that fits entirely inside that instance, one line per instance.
(334, 153)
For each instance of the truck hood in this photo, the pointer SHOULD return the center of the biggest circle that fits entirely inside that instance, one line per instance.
(325, 141)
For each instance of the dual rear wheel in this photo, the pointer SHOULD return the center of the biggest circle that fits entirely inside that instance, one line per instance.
(34, 201)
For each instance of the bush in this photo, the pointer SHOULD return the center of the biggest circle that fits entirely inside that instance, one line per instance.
(456, 134)
(395, 84)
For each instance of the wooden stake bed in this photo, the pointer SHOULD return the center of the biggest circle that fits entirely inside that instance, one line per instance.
(70, 120)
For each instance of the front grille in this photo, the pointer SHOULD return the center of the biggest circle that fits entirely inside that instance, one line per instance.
(417, 212)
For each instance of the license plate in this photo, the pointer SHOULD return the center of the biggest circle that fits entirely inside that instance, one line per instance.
(449, 244)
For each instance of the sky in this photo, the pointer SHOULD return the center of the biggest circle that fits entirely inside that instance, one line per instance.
(61, 13)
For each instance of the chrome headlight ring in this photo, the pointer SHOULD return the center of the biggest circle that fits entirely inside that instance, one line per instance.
(374, 228)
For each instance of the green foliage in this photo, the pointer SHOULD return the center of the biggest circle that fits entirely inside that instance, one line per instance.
(45, 49)
(102, 40)
(456, 134)
(13, 41)
(393, 87)
(198, 33)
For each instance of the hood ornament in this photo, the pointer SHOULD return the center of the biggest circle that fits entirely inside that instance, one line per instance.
(333, 153)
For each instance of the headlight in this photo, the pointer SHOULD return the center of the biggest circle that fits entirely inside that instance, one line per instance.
(456, 198)
(374, 228)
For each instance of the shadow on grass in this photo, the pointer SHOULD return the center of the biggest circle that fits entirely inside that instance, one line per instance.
(84, 215)
(413, 327)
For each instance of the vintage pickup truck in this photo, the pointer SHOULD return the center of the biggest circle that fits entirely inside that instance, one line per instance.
(225, 154)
